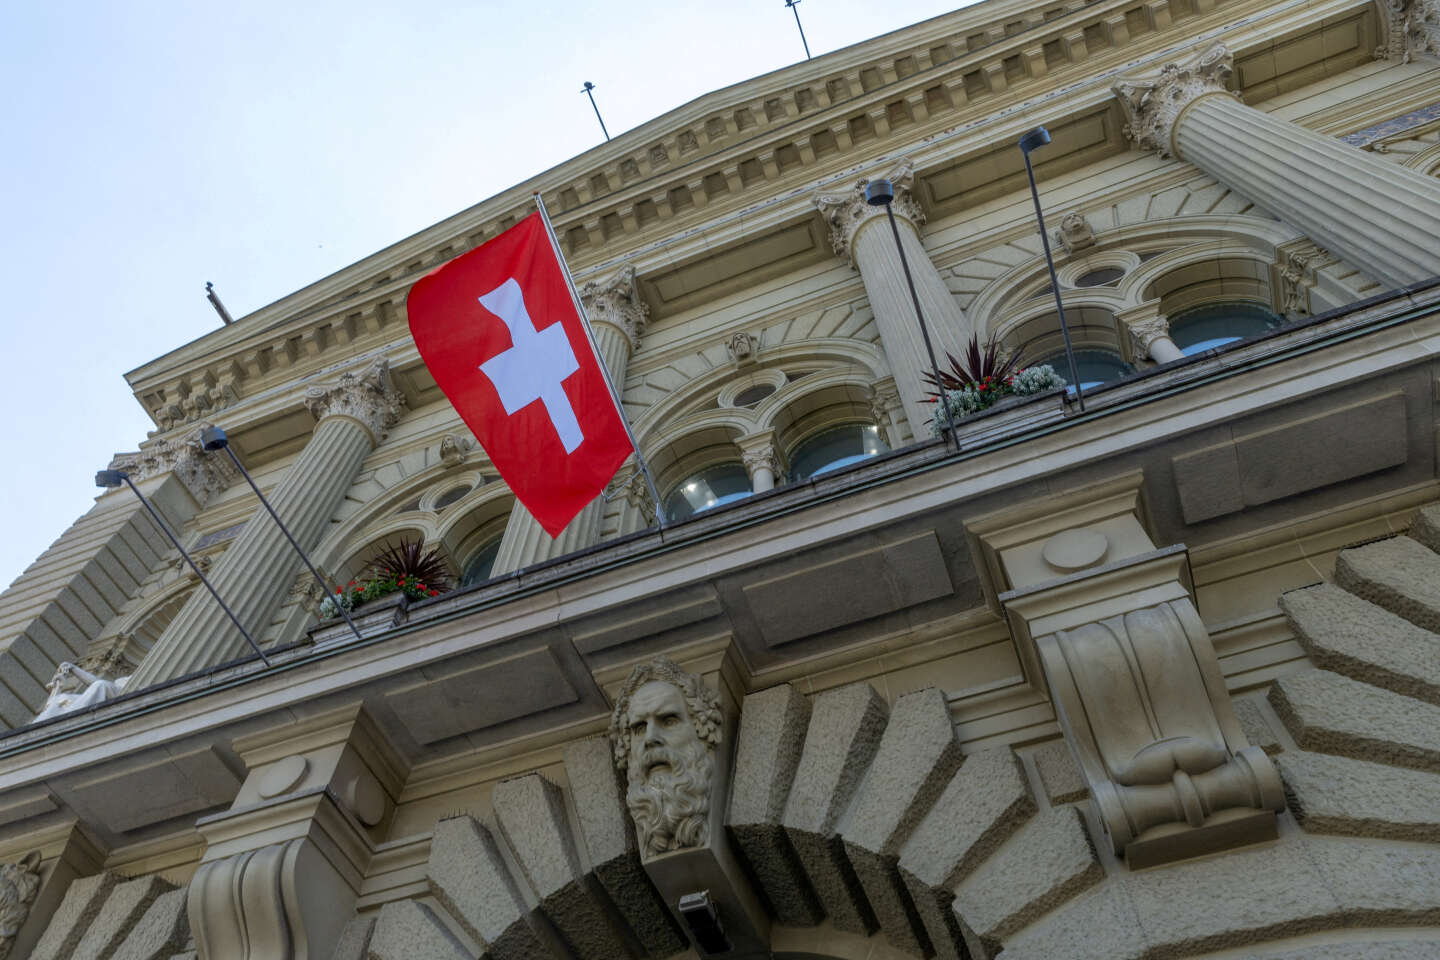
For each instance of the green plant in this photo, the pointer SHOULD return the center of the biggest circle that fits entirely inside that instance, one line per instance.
(405, 568)
(992, 365)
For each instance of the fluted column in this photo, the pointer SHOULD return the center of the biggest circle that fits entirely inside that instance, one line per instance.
(617, 317)
(861, 233)
(352, 416)
(1378, 216)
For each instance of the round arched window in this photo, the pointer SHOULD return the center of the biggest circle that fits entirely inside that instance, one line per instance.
(1093, 365)
(835, 448)
(1216, 324)
(1101, 277)
(482, 566)
(710, 488)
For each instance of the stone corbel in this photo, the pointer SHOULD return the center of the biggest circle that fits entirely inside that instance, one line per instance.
(1109, 626)
(283, 866)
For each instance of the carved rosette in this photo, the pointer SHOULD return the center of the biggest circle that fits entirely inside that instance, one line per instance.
(203, 474)
(664, 732)
(1143, 333)
(617, 301)
(18, 885)
(368, 397)
(1154, 103)
(847, 212)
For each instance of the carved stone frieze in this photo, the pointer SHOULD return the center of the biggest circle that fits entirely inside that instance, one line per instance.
(1154, 102)
(1075, 232)
(368, 397)
(617, 302)
(203, 474)
(664, 732)
(18, 884)
(847, 211)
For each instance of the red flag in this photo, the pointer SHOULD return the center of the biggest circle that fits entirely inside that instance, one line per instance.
(498, 329)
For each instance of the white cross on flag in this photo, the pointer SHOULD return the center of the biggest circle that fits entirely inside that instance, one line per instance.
(498, 329)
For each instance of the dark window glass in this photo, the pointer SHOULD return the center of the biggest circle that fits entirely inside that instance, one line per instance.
(753, 395)
(1094, 366)
(835, 448)
(450, 496)
(1216, 324)
(482, 565)
(711, 487)
(1098, 278)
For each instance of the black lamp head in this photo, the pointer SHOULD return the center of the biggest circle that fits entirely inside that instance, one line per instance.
(1035, 138)
(879, 193)
(109, 479)
(213, 438)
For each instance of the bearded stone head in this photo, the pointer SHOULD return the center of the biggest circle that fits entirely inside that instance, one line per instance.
(664, 730)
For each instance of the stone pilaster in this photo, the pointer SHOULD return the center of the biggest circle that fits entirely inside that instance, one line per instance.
(1375, 215)
(353, 414)
(860, 233)
(617, 317)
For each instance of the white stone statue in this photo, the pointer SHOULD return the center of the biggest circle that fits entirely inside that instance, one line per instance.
(75, 688)
(664, 730)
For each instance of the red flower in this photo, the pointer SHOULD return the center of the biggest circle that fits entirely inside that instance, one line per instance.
(434, 593)
(339, 590)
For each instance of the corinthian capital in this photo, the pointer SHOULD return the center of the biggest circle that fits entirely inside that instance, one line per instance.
(1154, 102)
(847, 211)
(367, 397)
(203, 474)
(617, 301)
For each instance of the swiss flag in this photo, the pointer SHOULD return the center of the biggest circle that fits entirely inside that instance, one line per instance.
(498, 329)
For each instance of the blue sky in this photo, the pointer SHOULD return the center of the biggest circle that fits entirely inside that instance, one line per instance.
(153, 145)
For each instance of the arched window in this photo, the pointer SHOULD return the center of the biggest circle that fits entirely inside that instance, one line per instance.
(833, 448)
(481, 566)
(1216, 324)
(1095, 366)
(711, 487)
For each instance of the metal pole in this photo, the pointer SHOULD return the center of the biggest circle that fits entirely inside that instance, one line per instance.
(324, 588)
(924, 330)
(794, 5)
(165, 528)
(1054, 284)
(590, 335)
(586, 90)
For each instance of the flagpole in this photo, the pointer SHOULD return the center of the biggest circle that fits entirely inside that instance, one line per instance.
(590, 335)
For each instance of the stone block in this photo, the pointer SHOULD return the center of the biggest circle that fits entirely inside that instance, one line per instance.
(163, 931)
(768, 748)
(1351, 950)
(1256, 726)
(609, 839)
(844, 733)
(1425, 527)
(82, 904)
(1059, 774)
(1266, 893)
(531, 814)
(984, 803)
(918, 755)
(1098, 925)
(1049, 861)
(467, 875)
(123, 909)
(1380, 883)
(1356, 798)
(355, 938)
(1398, 574)
(1328, 713)
(1351, 636)
(408, 930)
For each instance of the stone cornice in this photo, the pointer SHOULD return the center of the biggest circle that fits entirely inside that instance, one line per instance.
(368, 397)
(1154, 102)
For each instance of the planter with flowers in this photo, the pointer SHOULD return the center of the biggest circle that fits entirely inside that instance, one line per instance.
(990, 380)
(395, 576)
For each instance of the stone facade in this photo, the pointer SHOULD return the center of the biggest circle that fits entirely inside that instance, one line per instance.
(1156, 678)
